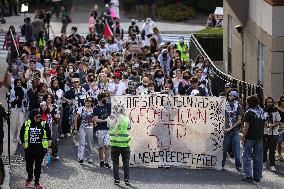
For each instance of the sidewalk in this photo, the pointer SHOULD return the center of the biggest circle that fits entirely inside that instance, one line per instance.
(164, 27)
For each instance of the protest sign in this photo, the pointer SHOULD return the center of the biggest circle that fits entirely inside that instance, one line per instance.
(184, 131)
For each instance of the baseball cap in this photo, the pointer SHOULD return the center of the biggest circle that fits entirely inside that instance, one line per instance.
(234, 93)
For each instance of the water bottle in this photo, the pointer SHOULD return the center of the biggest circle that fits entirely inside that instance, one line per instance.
(48, 159)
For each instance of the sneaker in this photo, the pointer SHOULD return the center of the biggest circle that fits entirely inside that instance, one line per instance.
(107, 166)
(55, 158)
(81, 161)
(68, 135)
(127, 183)
(280, 157)
(62, 136)
(264, 166)
(102, 164)
(28, 184)
(247, 179)
(239, 169)
(76, 143)
(38, 185)
(116, 182)
(90, 161)
(272, 169)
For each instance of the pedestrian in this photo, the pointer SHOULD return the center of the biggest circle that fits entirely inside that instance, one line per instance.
(36, 139)
(37, 27)
(17, 97)
(3, 116)
(13, 7)
(65, 19)
(101, 113)
(252, 140)
(12, 39)
(280, 107)
(270, 133)
(183, 48)
(85, 127)
(233, 113)
(56, 7)
(120, 141)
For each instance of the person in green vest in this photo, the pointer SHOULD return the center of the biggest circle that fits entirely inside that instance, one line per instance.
(35, 136)
(119, 126)
(183, 48)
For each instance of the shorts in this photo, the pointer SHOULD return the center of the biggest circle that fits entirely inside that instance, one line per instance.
(103, 138)
(281, 138)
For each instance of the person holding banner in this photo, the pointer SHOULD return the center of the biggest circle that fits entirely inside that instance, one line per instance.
(231, 131)
(119, 125)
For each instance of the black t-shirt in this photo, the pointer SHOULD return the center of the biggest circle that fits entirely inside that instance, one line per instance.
(256, 126)
(102, 112)
(36, 132)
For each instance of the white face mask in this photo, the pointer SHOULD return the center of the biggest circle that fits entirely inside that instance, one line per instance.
(71, 70)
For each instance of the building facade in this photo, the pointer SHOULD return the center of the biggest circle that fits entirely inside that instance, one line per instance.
(254, 43)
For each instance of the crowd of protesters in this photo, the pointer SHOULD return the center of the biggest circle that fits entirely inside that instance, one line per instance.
(69, 80)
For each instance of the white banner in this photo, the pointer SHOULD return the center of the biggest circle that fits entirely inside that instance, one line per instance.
(174, 130)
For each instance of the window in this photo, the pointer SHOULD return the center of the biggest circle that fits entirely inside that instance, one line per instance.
(229, 48)
(260, 62)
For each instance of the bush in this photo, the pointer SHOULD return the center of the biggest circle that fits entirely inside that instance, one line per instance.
(207, 6)
(175, 12)
(210, 32)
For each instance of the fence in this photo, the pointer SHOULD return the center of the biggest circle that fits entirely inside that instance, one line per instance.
(220, 78)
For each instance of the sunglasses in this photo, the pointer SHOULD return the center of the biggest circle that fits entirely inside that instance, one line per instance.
(38, 117)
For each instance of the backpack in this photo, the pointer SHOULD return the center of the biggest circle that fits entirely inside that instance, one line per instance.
(69, 20)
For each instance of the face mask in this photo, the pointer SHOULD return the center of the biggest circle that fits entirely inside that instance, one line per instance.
(117, 22)
(133, 23)
(159, 75)
(104, 101)
(71, 70)
(125, 76)
(133, 37)
(91, 80)
(87, 54)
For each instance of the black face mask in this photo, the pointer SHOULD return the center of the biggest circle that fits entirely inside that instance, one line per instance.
(87, 54)
(145, 86)
(104, 101)
(160, 76)
(133, 23)
(125, 77)
(117, 22)
(186, 77)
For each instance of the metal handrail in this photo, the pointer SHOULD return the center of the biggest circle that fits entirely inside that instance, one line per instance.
(220, 78)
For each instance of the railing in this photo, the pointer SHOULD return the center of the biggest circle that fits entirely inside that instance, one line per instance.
(220, 78)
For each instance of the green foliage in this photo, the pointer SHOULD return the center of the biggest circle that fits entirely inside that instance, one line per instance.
(175, 12)
(218, 32)
(206, 5)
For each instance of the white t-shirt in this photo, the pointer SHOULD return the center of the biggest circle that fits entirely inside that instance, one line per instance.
(119, 88)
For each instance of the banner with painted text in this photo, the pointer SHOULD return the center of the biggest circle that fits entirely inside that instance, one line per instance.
(184, 131)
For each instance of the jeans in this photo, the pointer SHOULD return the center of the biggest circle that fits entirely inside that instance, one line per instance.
(257, 147)
(269, 143)
(54, 144)
(125, 154)
(85, 133)
(232, 138)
